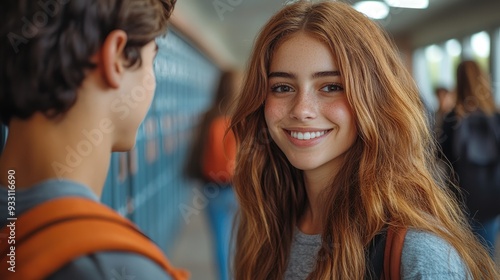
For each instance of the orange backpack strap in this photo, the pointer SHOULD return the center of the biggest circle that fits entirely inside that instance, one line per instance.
(54, 233)
(392, 252)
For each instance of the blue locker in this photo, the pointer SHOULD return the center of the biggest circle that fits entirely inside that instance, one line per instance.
(150, 189)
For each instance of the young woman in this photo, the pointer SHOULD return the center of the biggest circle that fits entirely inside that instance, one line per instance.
(333, 147)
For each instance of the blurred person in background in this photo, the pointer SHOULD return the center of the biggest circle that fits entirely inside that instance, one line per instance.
(470, 141)
(212, 163)
(446, 102)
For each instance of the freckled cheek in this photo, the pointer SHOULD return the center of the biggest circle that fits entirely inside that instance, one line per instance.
(339, 112)
(274, 111)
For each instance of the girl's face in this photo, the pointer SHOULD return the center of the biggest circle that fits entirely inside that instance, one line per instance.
(306, 110)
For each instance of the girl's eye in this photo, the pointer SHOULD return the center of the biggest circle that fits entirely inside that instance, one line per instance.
(281, 88)
(332, 87)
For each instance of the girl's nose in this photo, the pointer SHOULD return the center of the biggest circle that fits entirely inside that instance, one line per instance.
(304, 107)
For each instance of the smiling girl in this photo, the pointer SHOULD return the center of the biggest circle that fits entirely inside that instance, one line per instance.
(333, 148)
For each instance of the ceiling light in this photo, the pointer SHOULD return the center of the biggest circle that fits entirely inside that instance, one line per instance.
(410, 4)
(434, 53)
(373, 9)
(481, 44)
(453, 47)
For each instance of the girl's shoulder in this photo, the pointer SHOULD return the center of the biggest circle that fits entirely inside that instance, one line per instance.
(428, 256)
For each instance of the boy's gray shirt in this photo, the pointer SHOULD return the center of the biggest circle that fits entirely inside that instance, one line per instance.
(425, 257)
(104, 265)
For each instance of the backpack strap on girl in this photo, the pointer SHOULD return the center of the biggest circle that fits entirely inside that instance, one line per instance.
(392, 253)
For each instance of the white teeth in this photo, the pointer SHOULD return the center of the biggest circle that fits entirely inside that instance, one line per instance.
(307, 135)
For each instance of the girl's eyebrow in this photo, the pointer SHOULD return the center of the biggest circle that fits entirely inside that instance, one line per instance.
(314, 76)
(281, 75)
(326, 74)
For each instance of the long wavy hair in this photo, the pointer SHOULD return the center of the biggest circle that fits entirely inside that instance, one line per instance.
(389, 176)
(474, 90)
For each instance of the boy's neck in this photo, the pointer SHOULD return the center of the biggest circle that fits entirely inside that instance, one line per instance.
(40, 149)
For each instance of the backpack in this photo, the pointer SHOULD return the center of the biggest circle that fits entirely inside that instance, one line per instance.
(220, 152)
(65, 229)
(476, 146)
(384, 254)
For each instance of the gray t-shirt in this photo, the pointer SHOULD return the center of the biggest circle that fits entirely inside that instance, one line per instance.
(425, 257)
(104, 265)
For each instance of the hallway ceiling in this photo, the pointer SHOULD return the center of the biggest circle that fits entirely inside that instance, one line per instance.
(227, 28)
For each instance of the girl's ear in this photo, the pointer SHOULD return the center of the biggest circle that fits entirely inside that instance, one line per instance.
(112, 57)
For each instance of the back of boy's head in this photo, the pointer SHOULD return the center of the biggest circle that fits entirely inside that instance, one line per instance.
(46, 47)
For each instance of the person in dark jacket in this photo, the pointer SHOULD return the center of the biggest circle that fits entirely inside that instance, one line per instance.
(474, 96)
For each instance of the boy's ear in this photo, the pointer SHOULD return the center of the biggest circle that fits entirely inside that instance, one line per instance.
(113, 58)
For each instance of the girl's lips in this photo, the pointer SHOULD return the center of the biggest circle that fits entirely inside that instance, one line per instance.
(306, 137)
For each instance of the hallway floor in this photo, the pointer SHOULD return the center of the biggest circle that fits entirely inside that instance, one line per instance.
(194, 251)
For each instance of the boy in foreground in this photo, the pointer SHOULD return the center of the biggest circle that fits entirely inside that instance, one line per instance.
(76, 81)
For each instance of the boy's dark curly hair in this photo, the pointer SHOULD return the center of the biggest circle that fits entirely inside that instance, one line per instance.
(46, 47)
